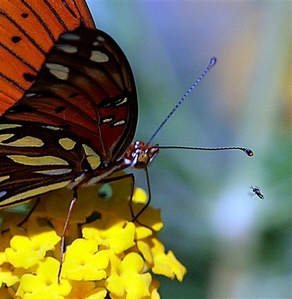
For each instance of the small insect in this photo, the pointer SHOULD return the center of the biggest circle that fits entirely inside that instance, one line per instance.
(257, 191)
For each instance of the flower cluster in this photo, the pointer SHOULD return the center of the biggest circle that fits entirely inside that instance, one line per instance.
(108, 255)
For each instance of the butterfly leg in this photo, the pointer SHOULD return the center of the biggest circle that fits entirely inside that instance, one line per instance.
(148, 201)
(69, 215)
(135, 217)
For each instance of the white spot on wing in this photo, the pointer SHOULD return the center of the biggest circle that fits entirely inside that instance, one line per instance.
(30, 94)
(70, 36)
(67, 48)
(52, 128)
(100, 38)
(119, 123)
(125, 99)
(3, 193)
(54, 171)
(107, 120)
(98, 56)
(58, 70)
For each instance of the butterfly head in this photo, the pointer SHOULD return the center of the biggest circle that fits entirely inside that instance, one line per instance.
(140, 154)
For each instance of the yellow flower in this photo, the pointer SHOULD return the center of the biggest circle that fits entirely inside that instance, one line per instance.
(6, 270)
(107, 254)
(112, 232)
(44, 284)
(90, 265)
(86, 290)
(26, 250)
(161, 263)
(127, 278)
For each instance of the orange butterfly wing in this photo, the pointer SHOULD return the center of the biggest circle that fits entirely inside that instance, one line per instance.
(28, 31)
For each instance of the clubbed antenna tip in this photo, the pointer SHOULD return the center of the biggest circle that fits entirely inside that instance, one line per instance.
(248, 151)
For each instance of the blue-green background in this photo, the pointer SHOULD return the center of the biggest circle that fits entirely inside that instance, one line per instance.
(234, 245)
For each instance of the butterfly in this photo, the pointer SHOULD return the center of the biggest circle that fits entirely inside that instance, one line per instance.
(74, 125)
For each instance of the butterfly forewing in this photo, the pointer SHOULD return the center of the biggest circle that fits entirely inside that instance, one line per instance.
(28, 31)
(77, 119)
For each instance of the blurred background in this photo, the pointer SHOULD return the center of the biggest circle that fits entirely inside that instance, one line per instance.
(234, 245)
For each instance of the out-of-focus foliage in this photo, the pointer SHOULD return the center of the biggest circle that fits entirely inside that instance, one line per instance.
(233, 244)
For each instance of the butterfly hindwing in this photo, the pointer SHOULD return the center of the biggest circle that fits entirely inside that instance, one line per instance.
(31, 164)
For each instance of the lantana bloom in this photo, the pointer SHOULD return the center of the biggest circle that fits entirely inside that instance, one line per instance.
(108, 255)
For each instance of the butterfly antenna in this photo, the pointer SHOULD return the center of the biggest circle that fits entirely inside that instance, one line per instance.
(211, 63)
(246, 150)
